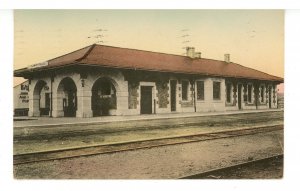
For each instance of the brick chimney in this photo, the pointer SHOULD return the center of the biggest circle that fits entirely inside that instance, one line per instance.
(227, 58)
(190, 52)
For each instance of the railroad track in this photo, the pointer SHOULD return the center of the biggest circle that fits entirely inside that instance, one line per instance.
(127, 146)
(210, 173)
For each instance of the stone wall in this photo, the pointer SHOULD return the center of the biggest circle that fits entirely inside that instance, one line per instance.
(128, 84)
(162, 93)
(133, 94)
(256, 101)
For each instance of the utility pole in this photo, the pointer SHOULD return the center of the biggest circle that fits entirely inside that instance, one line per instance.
(98, 36)
(185, 39)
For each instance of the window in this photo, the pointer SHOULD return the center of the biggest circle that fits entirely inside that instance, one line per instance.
(200, 90)
(184, 92)
(228, 93)
(262, 93)
(216, 90)
(250, 93)
(245, 89)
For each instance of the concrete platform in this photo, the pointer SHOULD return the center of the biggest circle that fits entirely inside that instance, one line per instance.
(48, 121)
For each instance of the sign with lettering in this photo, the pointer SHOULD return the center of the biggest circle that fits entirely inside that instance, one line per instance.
(23, 96)
(24, 87)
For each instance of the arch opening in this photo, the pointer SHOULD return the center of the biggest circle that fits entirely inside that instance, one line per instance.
(67, 92)
(41, 99)
(104, 99)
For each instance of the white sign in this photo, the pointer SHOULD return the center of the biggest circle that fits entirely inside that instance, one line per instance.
(41, 64)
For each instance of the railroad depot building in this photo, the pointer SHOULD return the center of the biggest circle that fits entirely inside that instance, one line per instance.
(102, 80)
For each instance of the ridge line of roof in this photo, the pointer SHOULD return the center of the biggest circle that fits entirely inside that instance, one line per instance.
(99, 45)
(87, 52)
(70, 52)
(170, 54)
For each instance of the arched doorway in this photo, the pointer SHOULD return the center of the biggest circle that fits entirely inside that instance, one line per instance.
(104, 99)
(67, 91)
(41, 99)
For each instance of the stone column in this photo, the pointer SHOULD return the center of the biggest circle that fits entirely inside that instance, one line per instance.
(275, 96)
(57, 98)
(84, 102)
(57, 105)
(122, 102)
(34, 106)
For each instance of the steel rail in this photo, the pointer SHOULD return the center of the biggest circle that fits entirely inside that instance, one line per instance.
(215, 170)
(134, 145)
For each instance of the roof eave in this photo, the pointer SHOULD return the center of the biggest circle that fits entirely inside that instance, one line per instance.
(25, 71)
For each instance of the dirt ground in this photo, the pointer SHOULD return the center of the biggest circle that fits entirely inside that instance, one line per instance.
(167, 162)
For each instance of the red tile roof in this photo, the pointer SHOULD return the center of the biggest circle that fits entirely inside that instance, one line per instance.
(115, 57)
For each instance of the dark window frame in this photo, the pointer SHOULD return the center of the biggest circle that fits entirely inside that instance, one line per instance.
(200, 90)
(184, 90)
(216, 90)
(249, 93)
(229, 96)
(262, 94)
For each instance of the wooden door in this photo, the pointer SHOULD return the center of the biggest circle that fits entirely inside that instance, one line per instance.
(146, 99)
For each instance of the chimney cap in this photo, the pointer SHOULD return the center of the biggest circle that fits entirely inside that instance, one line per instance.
(190, 52)
(190, 47)
(227, 58)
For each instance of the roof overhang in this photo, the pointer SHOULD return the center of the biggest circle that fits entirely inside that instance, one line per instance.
(31, 72)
